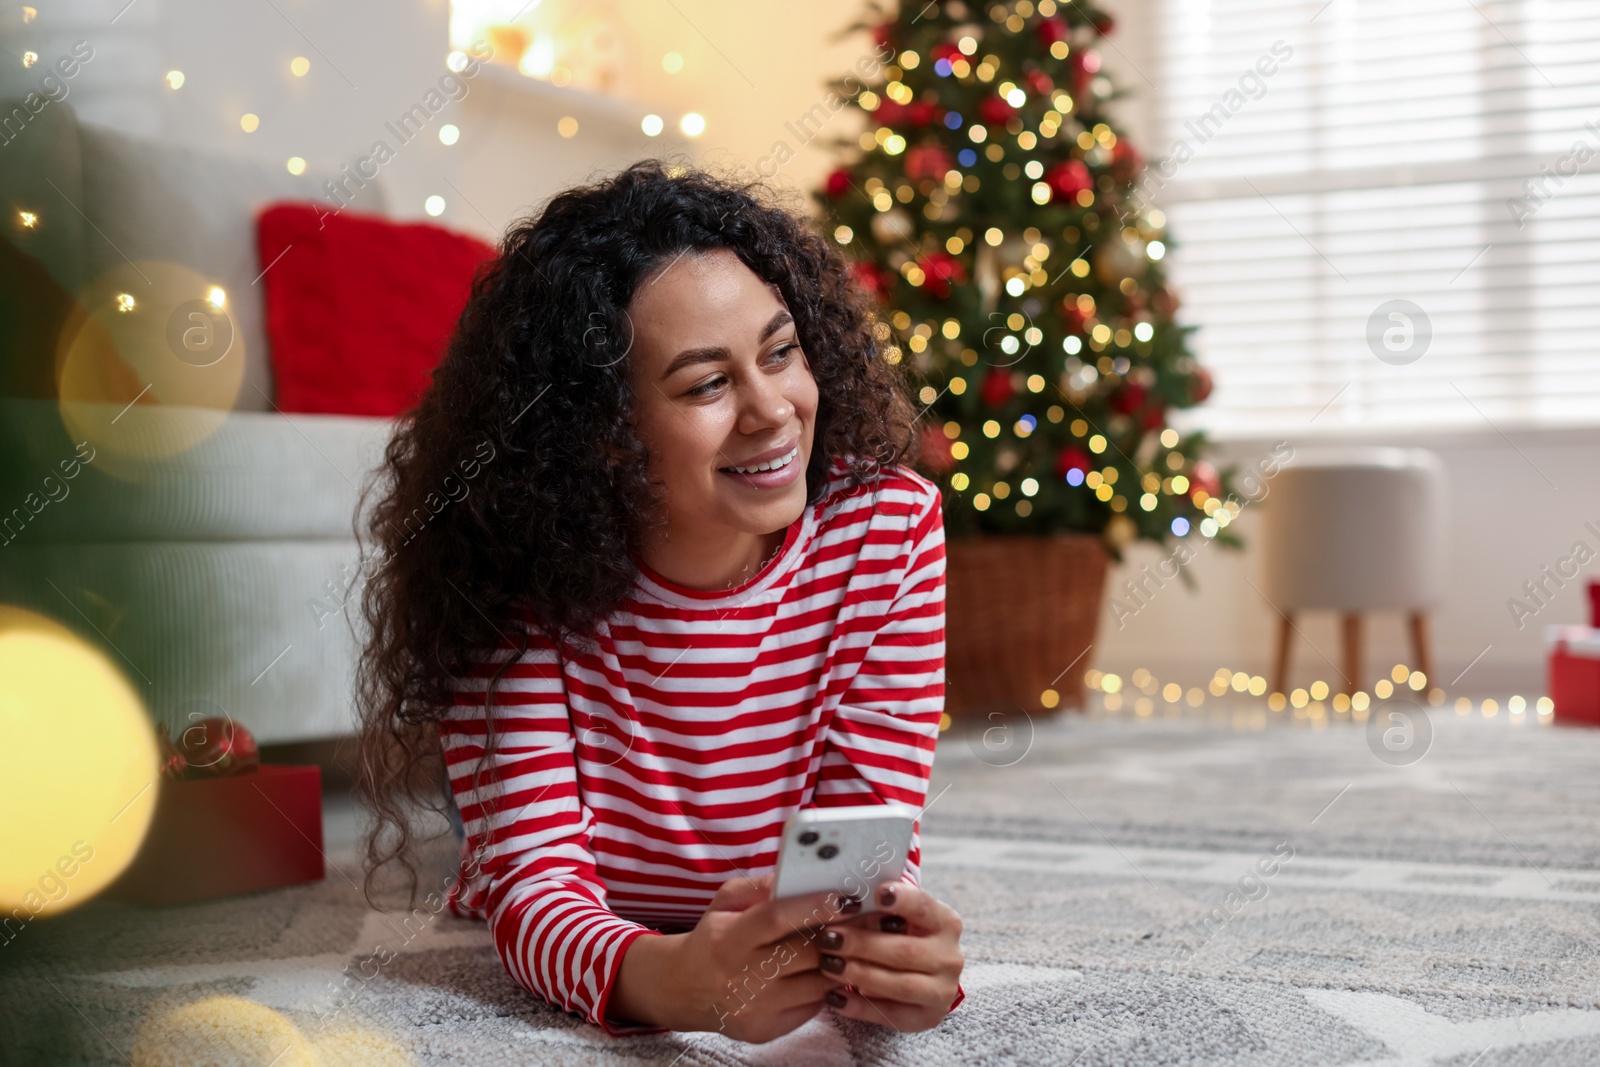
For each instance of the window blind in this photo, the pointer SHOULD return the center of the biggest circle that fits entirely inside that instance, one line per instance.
(1385, 214)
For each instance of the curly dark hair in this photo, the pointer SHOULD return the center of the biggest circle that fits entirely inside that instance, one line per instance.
(516, 491)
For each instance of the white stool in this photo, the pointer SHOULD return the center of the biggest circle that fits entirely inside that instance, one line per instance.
(1355, 530)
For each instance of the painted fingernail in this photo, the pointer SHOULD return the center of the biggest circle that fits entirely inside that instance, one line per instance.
(836, 998)
(832, 939)
(833, 964)
(850, 906)
(886, 895)
(892, 924)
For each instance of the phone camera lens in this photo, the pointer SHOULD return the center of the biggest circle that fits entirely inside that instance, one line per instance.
(809, 837)
(827, 852)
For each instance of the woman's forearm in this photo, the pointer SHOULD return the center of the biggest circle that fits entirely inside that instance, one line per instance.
(646, 987)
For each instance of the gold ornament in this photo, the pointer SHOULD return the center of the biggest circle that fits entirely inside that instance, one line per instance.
(892, 226)
(1119, 532)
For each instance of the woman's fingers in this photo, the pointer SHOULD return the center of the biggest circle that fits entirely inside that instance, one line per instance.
(737, 894)
(895, 1014)
(790, 992)
(923, 955)
(912, 987)
(924, 913)
(776, 920)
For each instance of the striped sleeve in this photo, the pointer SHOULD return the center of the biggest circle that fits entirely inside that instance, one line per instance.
(881, 741)
(527, 823)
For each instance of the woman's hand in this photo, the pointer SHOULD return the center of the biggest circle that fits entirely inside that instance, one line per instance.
(903, 962)
(749, 968)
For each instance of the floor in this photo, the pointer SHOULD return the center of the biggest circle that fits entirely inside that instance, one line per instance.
(1222, 885)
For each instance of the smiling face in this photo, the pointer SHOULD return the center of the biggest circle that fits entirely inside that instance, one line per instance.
(719, 381)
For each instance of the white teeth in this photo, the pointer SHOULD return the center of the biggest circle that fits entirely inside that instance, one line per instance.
(781, 461)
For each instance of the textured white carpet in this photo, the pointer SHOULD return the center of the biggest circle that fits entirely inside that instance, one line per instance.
(1110, 874)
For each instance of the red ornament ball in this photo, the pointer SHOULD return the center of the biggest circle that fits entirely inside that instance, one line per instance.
(995, 111)
(1128, 398)
(1200, 384)
(923, 113)
(892, 113)
(1052, 30)
(1069, 178)
(838, 183)
(869, 278)
(1071, 457)
(218, 746)
(928, 161)
(1125, 160)
(996, 389)
(173, 765)
(940, 272)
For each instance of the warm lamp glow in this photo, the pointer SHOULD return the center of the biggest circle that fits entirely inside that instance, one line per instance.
(234, 1030)
(89, 803)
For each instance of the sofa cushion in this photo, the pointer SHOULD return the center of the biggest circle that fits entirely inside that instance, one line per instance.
(94, 472)
(160, 200)
(359, 308)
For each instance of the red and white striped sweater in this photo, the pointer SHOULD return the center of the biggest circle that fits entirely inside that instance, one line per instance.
(639, 776)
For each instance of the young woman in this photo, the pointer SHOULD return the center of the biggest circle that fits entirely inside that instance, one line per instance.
(652, 576)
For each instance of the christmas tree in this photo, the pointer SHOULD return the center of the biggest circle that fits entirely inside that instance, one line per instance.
(992, 210)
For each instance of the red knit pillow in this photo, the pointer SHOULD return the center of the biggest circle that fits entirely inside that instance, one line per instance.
(359, 308)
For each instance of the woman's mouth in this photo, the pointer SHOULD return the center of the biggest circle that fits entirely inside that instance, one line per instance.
(774, 475)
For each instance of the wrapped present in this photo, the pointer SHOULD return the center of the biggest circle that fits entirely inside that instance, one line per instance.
(1574, 673)
(232, 833)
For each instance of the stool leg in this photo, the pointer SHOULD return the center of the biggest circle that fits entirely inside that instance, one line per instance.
(1419, 646)
(1352, 653)
(1280, 657)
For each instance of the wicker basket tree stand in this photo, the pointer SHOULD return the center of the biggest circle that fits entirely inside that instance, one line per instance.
(1021, 613)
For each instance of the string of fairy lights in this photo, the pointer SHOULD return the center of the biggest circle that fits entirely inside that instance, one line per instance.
(1244, 698)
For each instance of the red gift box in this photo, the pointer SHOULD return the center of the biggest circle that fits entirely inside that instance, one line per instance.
(1574, 673)
(213, 837)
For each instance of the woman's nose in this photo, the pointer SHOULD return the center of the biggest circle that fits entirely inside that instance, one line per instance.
(767, 404)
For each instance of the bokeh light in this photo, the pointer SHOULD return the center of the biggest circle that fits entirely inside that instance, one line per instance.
(89, 803)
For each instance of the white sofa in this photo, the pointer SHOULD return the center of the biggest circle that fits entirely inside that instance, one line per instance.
(215, 578)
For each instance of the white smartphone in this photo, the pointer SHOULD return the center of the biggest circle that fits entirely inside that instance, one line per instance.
(850, 851)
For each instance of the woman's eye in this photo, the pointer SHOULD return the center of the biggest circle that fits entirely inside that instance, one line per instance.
(784, 352)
